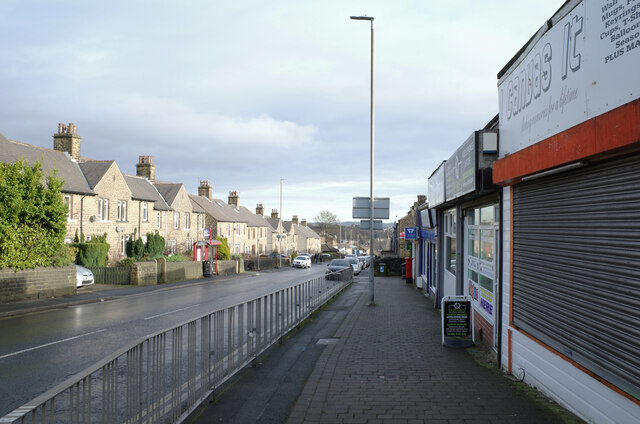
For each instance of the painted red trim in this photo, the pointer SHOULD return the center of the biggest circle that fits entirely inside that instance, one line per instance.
(611, 131)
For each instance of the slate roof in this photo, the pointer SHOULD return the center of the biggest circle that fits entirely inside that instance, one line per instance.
(306, 231)
(254, 220)
(169, 191)
(94, 170)
(218, 209)
(273, 221)
(142, 189)
(68, 170)
(195, 207)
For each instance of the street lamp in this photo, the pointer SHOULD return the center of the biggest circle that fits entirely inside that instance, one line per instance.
(280, 228)
(371, 285)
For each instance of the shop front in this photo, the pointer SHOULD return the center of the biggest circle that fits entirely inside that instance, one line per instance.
(570, 212)
(467, 214)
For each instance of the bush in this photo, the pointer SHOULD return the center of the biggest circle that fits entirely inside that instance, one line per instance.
(32, 216)
(155, 245)
(92, 254)
(134, 248)
(66, 255)
(127, 262)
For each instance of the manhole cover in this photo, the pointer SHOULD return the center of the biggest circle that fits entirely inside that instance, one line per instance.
(327, 341)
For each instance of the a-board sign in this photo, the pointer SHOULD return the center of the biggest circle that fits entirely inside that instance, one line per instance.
(457, 321)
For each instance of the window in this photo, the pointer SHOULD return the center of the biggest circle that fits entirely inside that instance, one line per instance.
(176, 220)
(171, 246)
(450, 241)
(158, 220)
(122, 210)
(187, 220)
(123, 243)
(145, 215)
(228, 230)
(67, 203)
(103, 209)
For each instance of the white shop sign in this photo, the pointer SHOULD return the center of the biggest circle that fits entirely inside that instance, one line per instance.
(585, 65)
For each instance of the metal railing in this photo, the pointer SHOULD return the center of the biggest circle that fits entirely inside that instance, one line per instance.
(165, 376)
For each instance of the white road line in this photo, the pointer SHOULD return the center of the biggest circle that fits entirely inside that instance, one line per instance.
(171, 312)
(52, 343)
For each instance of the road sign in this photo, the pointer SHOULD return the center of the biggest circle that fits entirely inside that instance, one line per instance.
(362, 208)
(365, 224)
(411, 233)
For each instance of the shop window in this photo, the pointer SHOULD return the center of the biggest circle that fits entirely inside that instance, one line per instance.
(450, 241)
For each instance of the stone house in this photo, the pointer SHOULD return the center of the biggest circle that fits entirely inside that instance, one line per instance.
(152, 210)
(308, 240)
(258, 229)
(111, 211)
(280, 241)
(271, 232)
(182, 223)
(222, 219)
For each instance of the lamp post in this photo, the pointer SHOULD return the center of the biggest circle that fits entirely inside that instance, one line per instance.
(280, 228)
(371, 284)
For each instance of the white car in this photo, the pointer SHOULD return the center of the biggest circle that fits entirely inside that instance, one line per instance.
(301, 261)
(355, 264)
(84, 276)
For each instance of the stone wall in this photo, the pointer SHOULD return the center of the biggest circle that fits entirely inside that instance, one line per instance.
(229, 267)
(144, 274)
(37, 283)
(182, 271)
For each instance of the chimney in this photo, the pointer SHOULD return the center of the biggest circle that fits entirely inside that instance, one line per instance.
(422, 199)
(303, 222)
(146, 168)
(67, 140)
(205, 190)
(233, 198)
(294, 220)
(259, 209)
(274, 213)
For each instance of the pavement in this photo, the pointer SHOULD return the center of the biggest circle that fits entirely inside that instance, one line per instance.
(355, 363)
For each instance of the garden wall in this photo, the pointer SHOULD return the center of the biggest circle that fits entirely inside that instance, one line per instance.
(37, 283)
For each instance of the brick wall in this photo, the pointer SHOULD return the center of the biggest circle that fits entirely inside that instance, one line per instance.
(37, 283)
(483, 330)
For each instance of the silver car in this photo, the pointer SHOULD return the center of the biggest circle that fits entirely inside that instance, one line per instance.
(84, 276)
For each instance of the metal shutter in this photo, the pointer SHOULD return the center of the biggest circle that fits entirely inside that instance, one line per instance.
(576, 266)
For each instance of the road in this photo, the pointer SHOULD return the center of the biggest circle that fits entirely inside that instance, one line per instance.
(40, 350)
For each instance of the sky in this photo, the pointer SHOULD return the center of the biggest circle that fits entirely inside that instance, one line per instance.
(245, 94)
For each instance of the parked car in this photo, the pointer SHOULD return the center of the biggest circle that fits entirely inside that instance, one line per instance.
(363, 262)
(84, 276)
(337, 265)
(355, 264)
(301, 261)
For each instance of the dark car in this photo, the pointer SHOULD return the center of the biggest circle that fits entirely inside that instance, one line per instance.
(338, 265)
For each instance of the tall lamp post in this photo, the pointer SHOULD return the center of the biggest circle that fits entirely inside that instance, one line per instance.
(371, 285)
(281, 225)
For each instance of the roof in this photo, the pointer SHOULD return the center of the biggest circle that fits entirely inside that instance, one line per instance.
(94, 170)
(306, 231)
(254, 220)
(195, 207)
(218, 209)
(67, 170)
(142, 189)
(169, 191)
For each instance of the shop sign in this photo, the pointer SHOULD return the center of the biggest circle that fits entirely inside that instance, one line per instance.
(435, 187)
(583, 66)
(482, 300)
(411, 233)
(457, 321)
(460, 170)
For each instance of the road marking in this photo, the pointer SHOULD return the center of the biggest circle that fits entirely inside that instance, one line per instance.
(171, 312)
(52, 343)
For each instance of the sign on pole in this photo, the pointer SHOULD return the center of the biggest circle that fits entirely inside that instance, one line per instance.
(365, 224)
(362, 208)
(457, 321)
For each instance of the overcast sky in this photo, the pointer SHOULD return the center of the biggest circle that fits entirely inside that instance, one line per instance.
(244, 93)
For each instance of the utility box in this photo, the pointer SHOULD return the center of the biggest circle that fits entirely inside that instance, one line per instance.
(408, 270)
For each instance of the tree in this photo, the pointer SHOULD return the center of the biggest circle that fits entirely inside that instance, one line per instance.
(223, 250)
(327, 221)
(33, 216)
(155, 245)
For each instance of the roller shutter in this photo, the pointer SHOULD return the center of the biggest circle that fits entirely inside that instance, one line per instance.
(576, 266)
